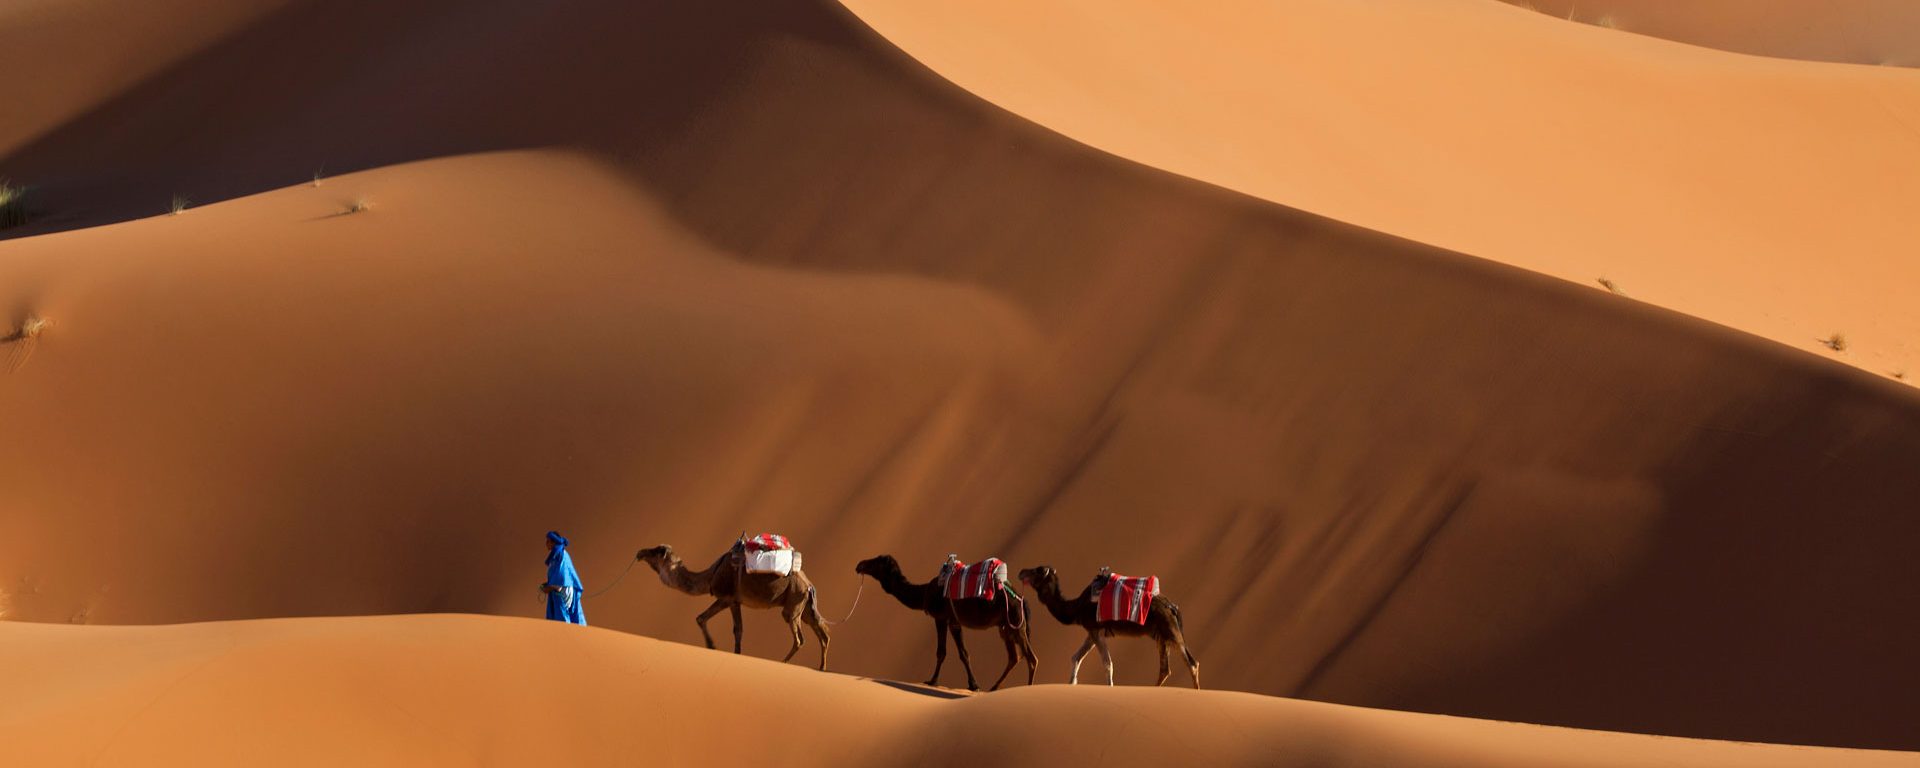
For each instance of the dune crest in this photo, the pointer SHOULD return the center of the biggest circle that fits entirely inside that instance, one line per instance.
(1877, 32)
(1760, 194)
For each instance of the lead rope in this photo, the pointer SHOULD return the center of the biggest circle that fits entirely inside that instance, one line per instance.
(616, 581)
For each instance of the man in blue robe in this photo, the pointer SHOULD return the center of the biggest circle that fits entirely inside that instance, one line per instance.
(563, 583)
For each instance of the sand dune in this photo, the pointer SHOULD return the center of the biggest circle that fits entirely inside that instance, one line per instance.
(438, 690)
(1761, 194)
(785, 279)
(1879, 32)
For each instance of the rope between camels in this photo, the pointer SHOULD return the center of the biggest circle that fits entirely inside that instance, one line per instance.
(856, 601)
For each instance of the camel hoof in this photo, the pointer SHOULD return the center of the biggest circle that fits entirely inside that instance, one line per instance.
(932, 682)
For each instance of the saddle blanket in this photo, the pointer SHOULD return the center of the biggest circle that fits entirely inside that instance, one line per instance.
(768, 541)
(771, 553)
(1128, 598)
(980, 580)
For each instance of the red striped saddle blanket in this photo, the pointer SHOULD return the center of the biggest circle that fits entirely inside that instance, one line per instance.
(1126, 598)
(981, 580)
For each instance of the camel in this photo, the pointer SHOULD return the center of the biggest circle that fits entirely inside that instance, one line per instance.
(1006, 613)
(732, 588)
(1163, 624)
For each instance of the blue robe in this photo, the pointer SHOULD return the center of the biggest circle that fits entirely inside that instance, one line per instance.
(564, 605)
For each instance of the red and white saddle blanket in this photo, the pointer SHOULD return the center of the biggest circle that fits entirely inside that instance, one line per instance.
(771, 553)
(980, 580)
(1125, 598)
(768, 541)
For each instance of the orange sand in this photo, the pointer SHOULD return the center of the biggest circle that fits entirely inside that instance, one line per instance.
(1767, 195)
(650, 272)
(449, 690)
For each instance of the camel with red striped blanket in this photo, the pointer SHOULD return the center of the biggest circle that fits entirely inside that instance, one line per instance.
(1160, 621)
(1005, 612)
(732, 586)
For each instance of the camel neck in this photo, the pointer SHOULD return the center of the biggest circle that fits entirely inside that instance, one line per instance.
(909, 594)
(677, 576)
(1049, 593)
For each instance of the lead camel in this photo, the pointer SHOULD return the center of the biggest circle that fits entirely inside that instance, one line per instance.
(732, 588)
(1163, 624)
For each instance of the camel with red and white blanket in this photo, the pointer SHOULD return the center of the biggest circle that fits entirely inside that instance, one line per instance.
(971, 596)
(1125, 607)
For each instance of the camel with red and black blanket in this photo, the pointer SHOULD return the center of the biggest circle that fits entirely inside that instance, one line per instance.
(971, 596)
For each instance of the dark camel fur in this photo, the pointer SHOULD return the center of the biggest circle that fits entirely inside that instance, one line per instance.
(732, 587)
(949, 616)
(1163, 624)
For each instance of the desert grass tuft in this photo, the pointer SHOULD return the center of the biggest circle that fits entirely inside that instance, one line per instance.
(357, 205)
(180, 203)
(1611, 287)
(1608, 21)
(13, 204)
(1837, 342)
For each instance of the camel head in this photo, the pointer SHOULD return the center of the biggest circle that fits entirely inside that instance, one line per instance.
(654, 556)
(1038, 575)
(878, 567)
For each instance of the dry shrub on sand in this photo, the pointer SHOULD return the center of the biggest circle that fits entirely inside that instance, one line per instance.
(23, 340)
(13, 205)
(1837, 342)
(179, 204)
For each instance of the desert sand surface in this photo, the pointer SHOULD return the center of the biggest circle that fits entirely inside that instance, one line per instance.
(1768, 195)
(452, 690)
(1877, 32)
(651, 272)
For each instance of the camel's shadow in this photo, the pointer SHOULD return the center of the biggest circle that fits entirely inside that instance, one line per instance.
(923, 690)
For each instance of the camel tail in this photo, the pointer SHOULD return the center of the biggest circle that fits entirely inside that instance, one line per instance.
(813, 605)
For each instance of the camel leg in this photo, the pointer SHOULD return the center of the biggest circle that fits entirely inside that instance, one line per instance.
(818, 622)
(1073, 675)
(710, 612)
(1165, 671)
(1022, 636)
(1193, 665)
(1106, 656)
(965, 663)
(738, 629)
(792, 615)
(939, 650)
(1013, 657)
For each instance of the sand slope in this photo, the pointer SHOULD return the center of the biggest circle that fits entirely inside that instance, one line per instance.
(1768, 195)
(1878, 32)
(795, 282)
(439, 690)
